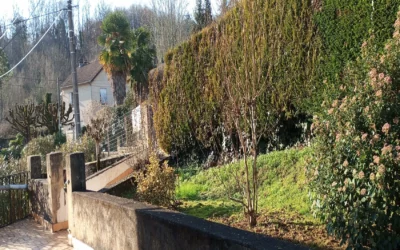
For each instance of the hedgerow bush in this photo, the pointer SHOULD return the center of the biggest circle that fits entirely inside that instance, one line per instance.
(317, 40)
(85, 145)
(188, 102)
(356, 172)
(10, 166)
(39, 146)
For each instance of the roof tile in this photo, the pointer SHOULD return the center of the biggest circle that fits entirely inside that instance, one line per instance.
(86, 74)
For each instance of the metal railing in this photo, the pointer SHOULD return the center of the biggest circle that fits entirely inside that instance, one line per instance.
(14, 200)
(123, 135)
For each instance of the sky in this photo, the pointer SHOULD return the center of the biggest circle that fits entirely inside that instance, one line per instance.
(6, 9)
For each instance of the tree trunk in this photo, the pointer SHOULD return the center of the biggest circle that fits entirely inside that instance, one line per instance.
(97, 156)
(118, 83)
(252, 218)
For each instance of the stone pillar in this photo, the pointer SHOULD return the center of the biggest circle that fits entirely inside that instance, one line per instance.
(76, 181)
(57, 196)
(35, 166)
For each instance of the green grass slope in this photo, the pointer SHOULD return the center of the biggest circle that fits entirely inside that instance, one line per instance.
(283, 186)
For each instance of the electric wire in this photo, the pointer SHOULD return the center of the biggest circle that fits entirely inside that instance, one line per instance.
(47, 31)
(35, 17)
(15, 22)
(5, 30)
(33, 79)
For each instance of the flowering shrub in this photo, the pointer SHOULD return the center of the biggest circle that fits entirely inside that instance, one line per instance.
(355, 177)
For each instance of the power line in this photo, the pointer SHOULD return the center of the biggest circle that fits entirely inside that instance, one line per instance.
(31, 18)
(51, 26)
(14, 36)
(13, 23)
(33, 79)
(5, 29)
(35, 17)
(21, 85)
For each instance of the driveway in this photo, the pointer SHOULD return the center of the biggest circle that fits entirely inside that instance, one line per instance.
(27, 234)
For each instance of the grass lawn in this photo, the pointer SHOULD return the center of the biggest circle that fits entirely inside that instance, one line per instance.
(284, 206)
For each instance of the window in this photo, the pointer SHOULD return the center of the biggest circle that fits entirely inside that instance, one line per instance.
(71, 98)
(103, 96)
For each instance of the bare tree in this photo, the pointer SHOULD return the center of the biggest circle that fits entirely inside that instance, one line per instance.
(259, 82)
(97, 129)
(171, 24)
(245, 84)
(225, 5)
(23, 119)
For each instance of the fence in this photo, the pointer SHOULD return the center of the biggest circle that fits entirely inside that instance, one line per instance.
(126, 133)
(14, 202)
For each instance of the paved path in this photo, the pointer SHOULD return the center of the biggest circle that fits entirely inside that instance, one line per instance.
(27, 234)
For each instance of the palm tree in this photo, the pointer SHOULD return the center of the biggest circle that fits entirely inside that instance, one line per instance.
(117, 40)
(143, 60)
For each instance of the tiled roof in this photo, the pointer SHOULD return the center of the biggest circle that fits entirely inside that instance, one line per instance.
(86, 74)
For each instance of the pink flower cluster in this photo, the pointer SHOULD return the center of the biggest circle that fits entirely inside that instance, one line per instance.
(379, 80)
(386, 128)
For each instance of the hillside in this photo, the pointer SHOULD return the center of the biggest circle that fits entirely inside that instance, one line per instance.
(284, 205)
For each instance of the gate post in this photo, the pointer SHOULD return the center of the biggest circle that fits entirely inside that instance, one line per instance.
(76, 181)
(35, 166)
(57, 197)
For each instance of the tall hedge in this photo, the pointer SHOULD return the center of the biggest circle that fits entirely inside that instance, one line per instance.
(318, 39)
(190, 98)
(343, 27)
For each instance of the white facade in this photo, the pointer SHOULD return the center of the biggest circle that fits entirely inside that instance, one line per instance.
(89, 95)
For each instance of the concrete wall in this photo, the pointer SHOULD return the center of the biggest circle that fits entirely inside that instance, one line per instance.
(106, 222)
(39, 199)
(47, 196)
(90, 167)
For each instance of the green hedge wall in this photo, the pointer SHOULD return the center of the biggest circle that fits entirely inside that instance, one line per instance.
(343, 26)
(189, 100)
(316, 41)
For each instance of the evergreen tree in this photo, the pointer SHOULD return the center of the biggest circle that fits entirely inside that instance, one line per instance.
(4, 66)
(202, 15)
(207, 13)
(199, 16)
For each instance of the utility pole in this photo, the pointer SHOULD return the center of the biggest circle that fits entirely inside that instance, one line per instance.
(72, 49)
(1, 103)
(59, 105)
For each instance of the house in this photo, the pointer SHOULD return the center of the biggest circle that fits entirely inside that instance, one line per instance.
(94, 89)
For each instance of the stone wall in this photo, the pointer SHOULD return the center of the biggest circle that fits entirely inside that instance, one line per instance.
(106, 222)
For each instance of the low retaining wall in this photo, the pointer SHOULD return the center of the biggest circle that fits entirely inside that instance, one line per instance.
(39, 199)
(106, 222)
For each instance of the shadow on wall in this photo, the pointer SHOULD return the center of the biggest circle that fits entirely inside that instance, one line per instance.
(180, 231)
(39, 198)
(98, 216)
